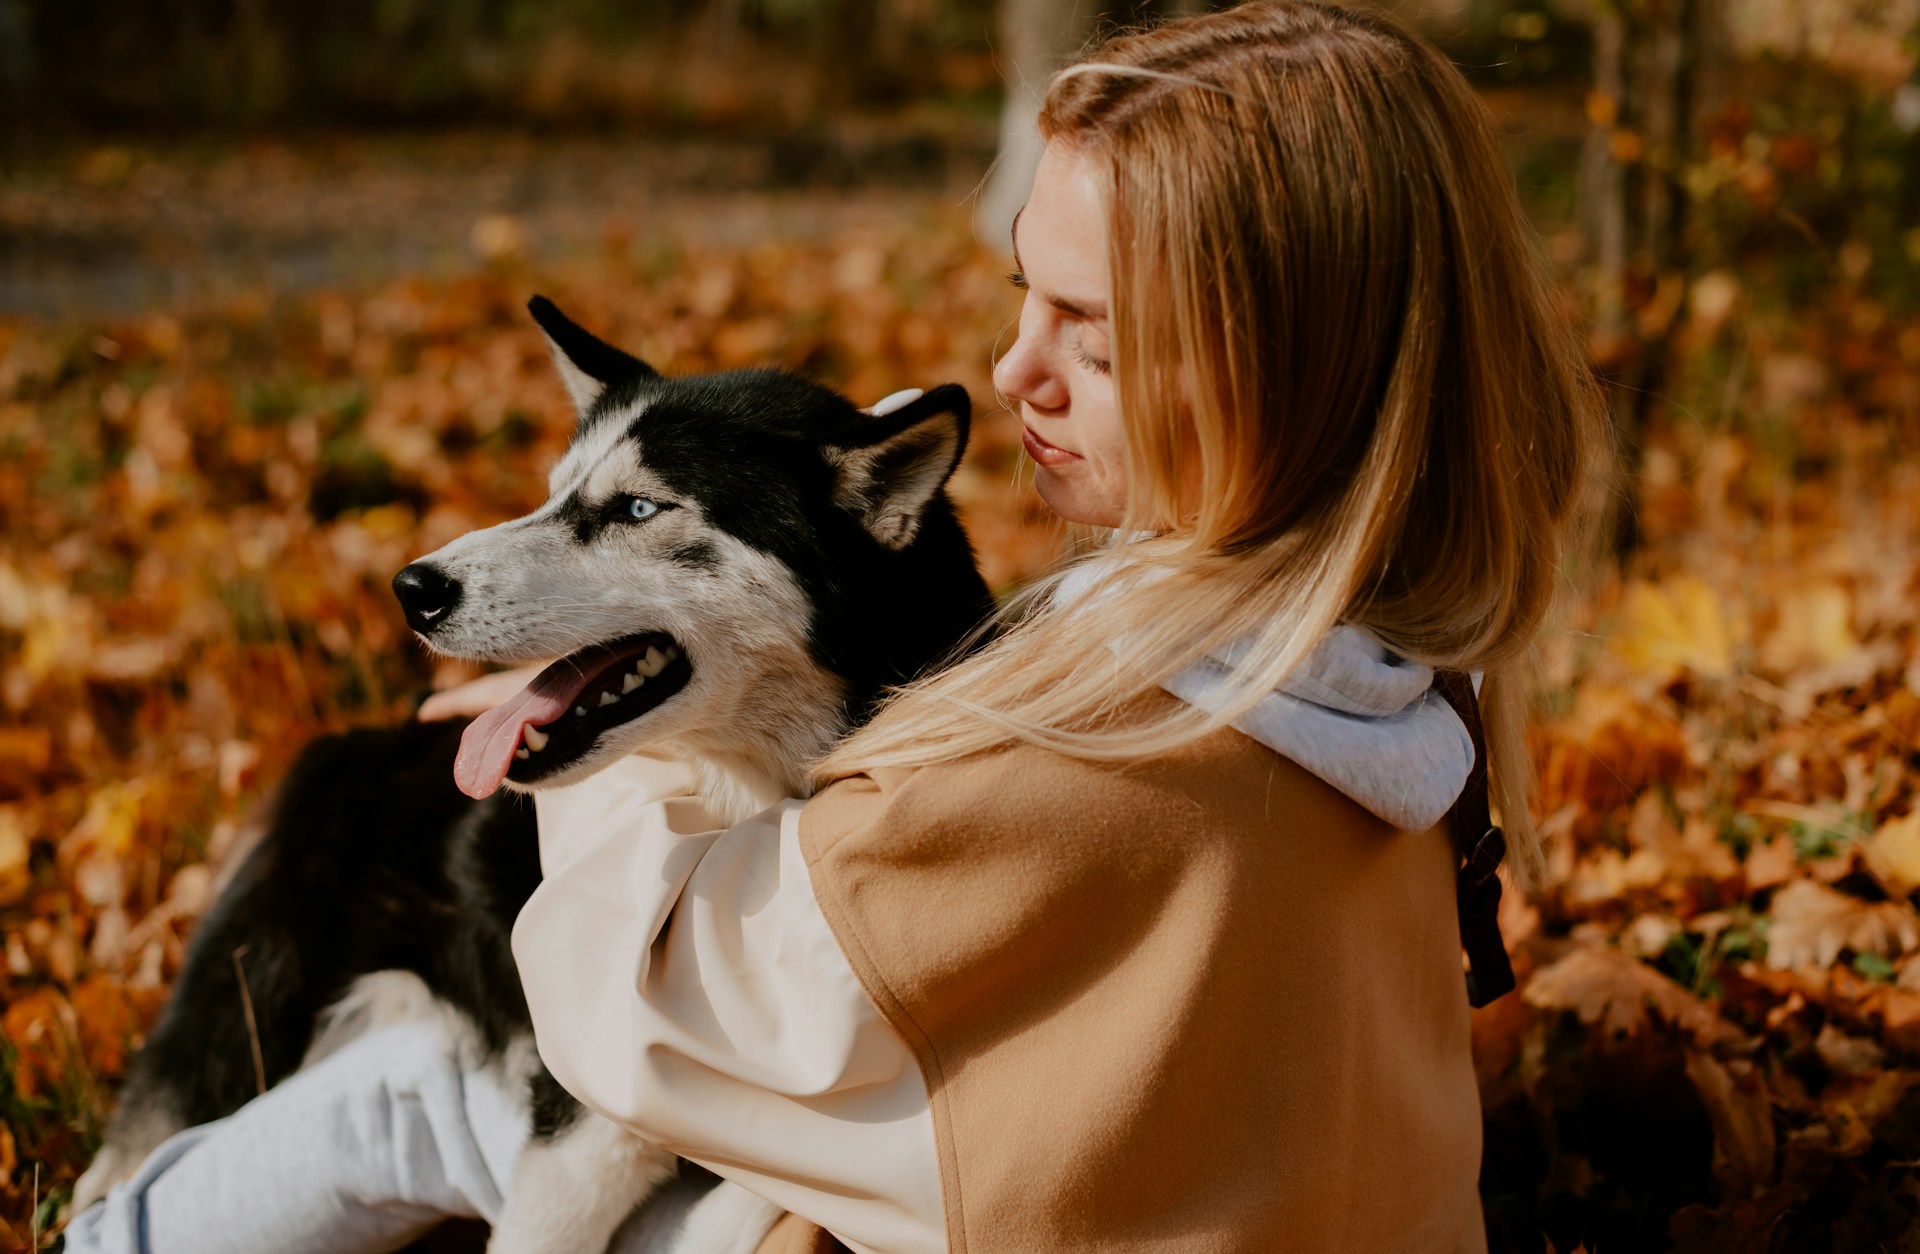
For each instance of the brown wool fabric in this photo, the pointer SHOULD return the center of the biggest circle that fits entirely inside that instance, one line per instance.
(1205, 1003)
(794, 1235)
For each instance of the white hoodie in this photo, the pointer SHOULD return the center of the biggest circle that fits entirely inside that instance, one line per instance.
(1367, 722)
(684, 983)
(1361, 718)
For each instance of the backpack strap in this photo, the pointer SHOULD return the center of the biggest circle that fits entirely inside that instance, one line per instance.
(1480, 846)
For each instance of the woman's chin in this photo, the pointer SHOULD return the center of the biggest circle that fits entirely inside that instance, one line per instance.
(1073, 499)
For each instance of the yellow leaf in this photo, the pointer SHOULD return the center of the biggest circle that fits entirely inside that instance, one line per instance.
(1813, 629)
(111, 821)
(1679, 625)
(388, 522)
(41, 650)
(1893, 853)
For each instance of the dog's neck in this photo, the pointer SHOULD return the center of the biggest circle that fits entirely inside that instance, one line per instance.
(738, 781)
(746, 764)
(734, 795)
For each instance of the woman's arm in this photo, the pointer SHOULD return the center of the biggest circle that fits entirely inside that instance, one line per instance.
(476, 696)
(684, 984)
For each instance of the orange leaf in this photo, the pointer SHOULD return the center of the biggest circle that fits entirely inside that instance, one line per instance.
(40, 1027)
(28, 748)
(111, 1020)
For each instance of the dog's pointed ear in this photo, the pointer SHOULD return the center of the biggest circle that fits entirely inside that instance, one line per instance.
(587, 363)
(901, 460)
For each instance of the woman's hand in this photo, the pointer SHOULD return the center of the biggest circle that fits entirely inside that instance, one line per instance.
(476, 696)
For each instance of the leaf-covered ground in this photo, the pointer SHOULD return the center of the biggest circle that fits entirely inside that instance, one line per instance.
(1715, 1040)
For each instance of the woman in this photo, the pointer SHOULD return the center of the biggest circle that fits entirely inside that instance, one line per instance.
(1160, 985)
(1136, 929)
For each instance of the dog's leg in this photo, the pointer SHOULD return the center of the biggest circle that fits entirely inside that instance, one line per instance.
(140, 1123)
(238, 1019)
(576, 1181)
(283, 940)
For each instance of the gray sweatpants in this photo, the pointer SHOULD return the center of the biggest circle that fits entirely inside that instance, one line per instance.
(362, 1152)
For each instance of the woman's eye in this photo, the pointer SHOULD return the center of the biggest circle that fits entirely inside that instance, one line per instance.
(1091, 362)
(635, 508)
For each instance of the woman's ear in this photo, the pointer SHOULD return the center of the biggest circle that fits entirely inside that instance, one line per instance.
(588, 365)
(903, 460)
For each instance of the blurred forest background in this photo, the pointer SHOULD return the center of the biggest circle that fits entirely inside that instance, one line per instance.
(262, 270)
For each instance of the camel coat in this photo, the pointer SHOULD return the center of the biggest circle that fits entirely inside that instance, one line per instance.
(1206, 1003)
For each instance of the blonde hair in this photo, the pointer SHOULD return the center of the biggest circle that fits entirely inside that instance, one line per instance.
(1327, 312)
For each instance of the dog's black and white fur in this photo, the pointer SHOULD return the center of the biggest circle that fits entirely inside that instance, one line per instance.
(787, 557)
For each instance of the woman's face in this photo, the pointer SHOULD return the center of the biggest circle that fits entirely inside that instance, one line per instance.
(1059, 370)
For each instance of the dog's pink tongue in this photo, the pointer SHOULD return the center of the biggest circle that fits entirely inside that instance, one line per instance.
(488, 744)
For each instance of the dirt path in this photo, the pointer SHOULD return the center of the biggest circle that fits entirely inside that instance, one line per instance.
(124, 228)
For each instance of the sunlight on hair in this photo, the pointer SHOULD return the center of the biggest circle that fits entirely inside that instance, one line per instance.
(1138, 71)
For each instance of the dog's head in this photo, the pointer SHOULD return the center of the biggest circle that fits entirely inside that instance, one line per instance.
(739, 562)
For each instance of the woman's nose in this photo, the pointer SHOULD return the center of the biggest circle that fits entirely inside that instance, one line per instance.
(1024, 375)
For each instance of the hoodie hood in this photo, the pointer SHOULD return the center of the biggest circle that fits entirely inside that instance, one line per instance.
(1363, 720)
(1353, 713)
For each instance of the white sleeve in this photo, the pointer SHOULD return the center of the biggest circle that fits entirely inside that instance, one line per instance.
(684, 983)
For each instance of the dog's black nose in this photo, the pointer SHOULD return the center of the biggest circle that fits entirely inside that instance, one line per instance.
(426, 594)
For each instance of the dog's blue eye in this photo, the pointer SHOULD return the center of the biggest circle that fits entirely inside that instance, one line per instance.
(635, 508)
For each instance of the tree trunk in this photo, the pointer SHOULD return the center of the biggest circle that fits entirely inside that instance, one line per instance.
(1037, 37)
(1647, 56)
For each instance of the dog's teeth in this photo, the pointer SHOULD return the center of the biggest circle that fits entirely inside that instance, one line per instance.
(630, 683)
(652, 664)
(522, 754)
(536, 739)
(672, 653)
(608, 698)
(580, 711)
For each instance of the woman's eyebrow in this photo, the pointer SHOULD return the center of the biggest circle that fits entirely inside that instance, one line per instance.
(1087, 312)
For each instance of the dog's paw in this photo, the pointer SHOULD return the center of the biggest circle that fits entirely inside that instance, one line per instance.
(571, 1192)
(136, 1130)
(109, 1167)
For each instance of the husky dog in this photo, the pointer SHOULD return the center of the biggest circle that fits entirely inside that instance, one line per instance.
(735, 565)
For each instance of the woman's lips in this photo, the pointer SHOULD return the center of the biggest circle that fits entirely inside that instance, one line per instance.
(1043, 452)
